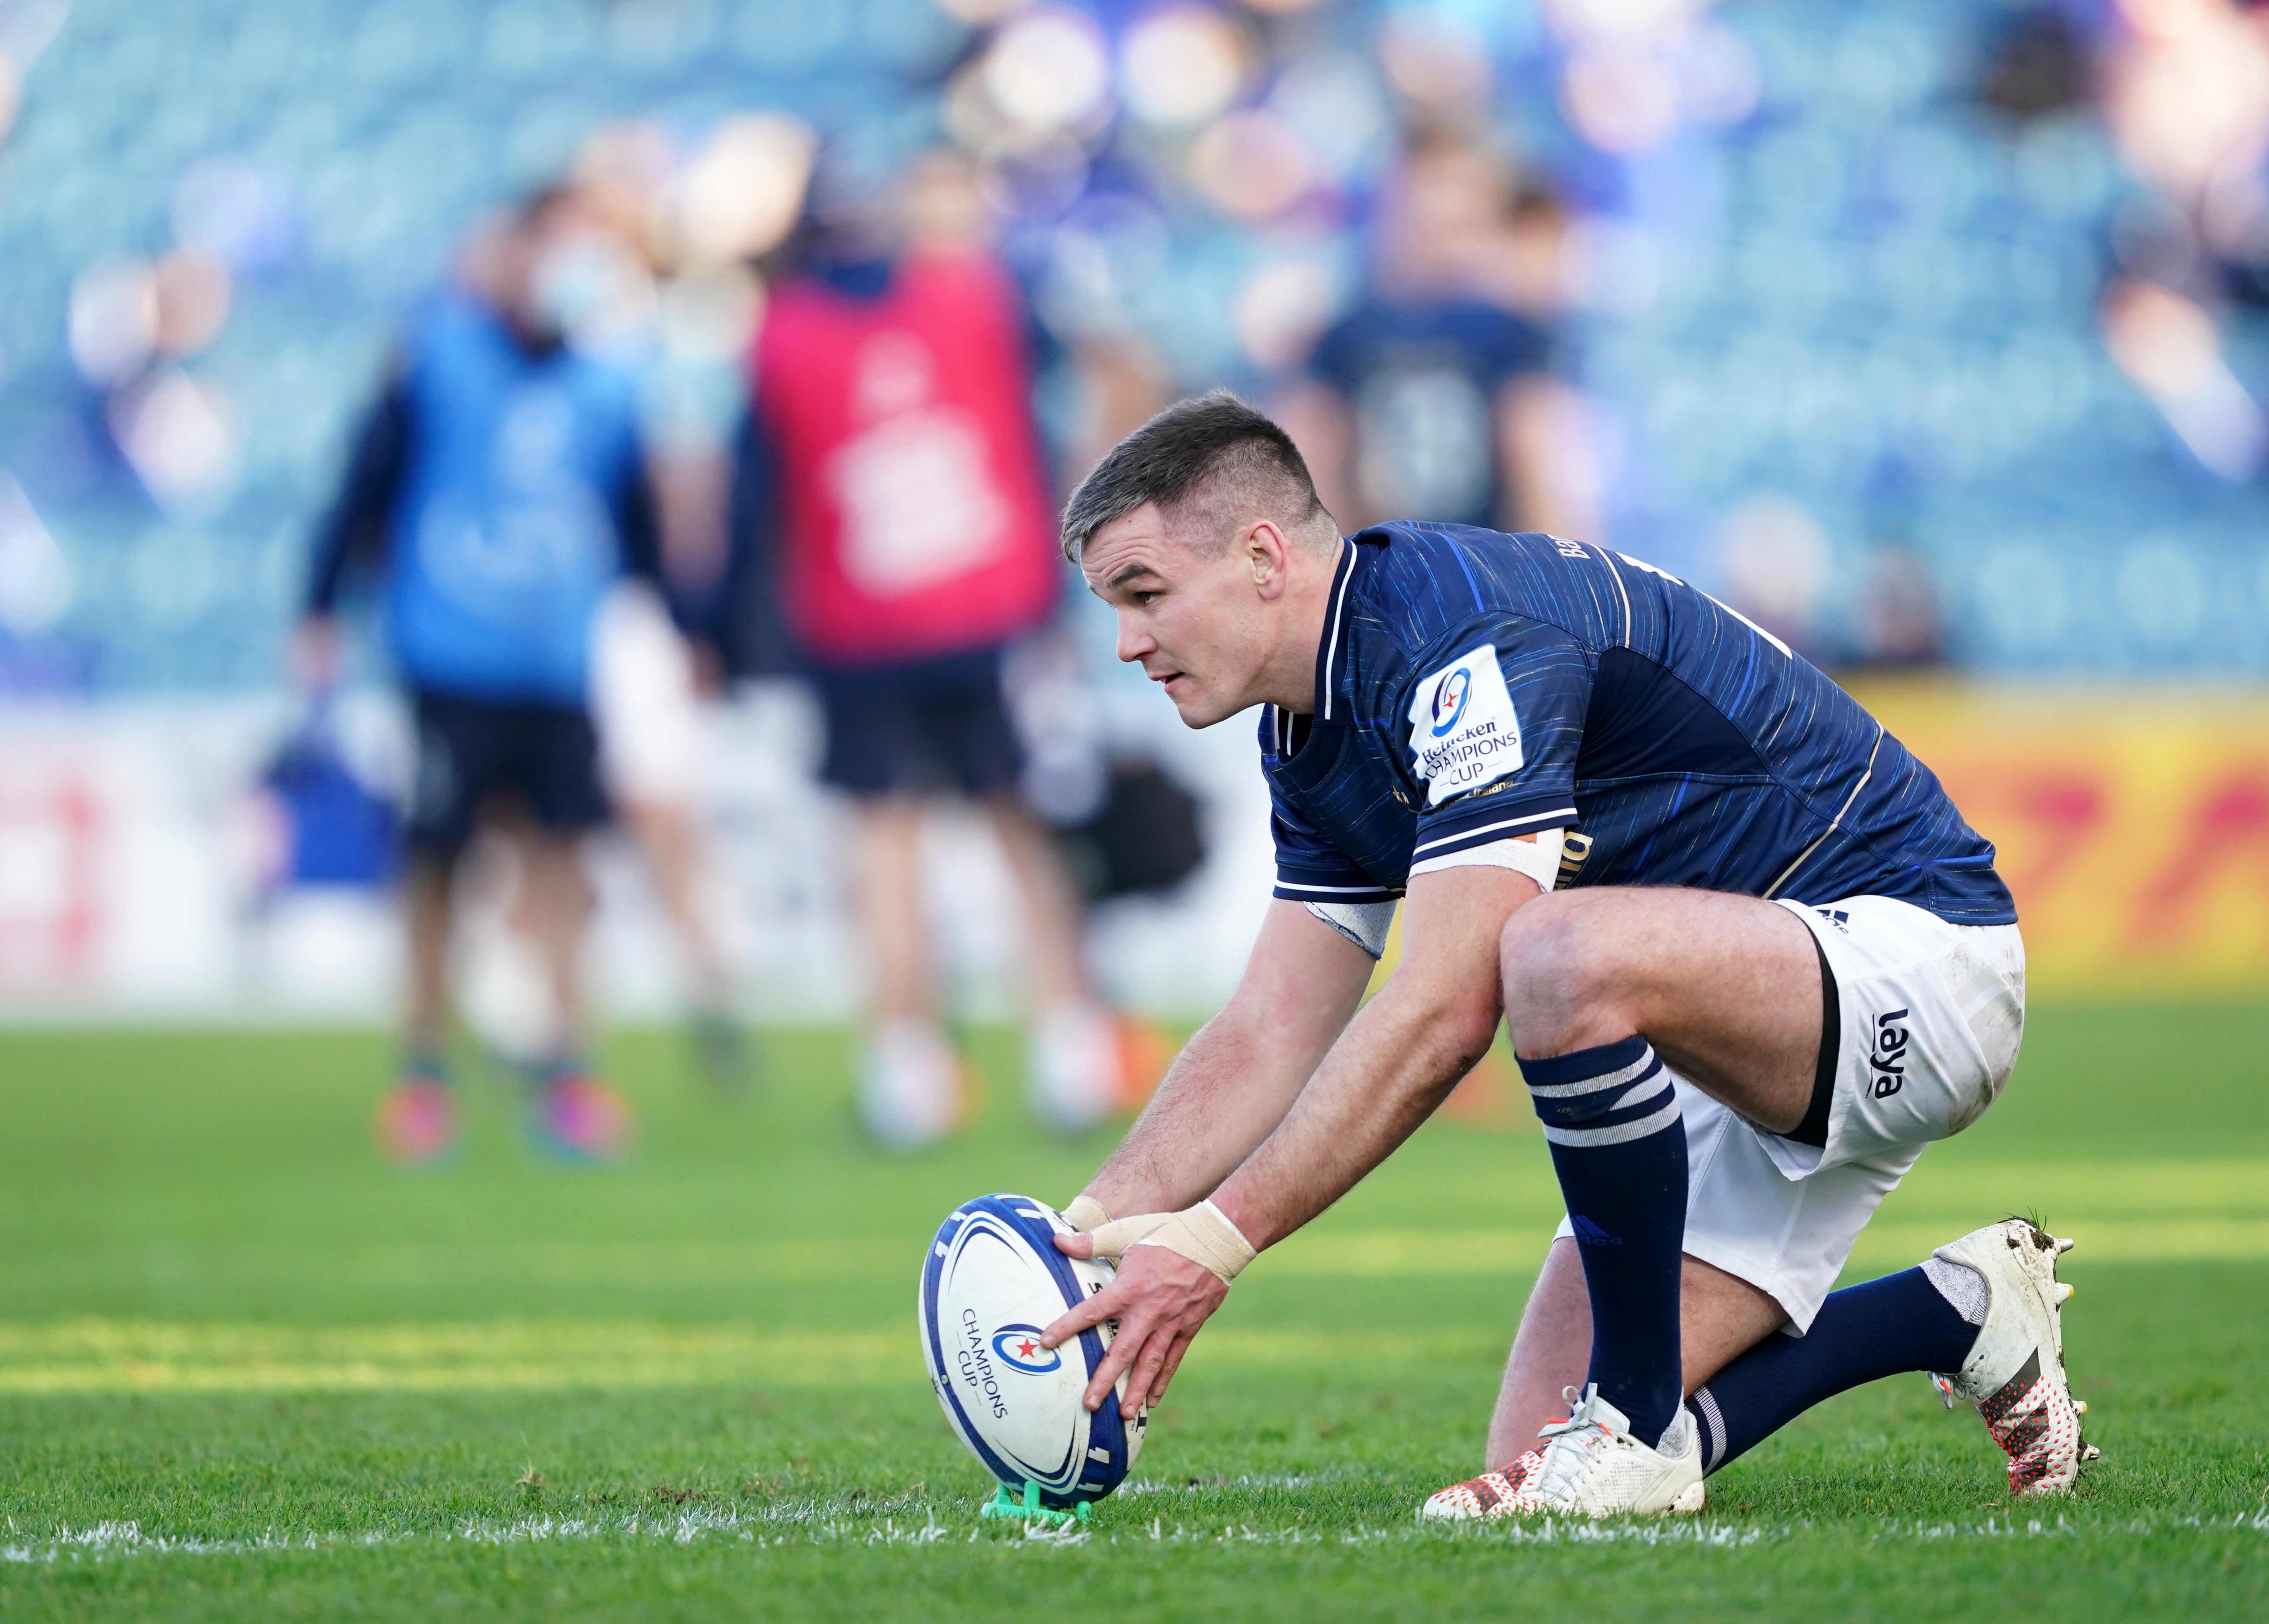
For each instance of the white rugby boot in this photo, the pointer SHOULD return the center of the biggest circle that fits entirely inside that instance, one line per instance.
(910, 1090)
(2015, 1373)
(1072, 1068)
(1593, 1465)
(1501, 1492)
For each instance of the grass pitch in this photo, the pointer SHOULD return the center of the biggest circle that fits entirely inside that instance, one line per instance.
(245, 1371)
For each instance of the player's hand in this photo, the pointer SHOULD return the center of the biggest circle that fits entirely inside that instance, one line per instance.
(1160, 1299)
(1110, 1238)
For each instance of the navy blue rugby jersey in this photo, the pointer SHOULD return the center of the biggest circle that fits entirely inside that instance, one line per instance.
(1472, 686)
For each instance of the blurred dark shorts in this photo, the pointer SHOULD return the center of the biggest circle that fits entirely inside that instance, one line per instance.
(926, 726)
(541, 760)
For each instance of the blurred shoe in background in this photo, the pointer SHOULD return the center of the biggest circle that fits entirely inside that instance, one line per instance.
(1072, 1068)
(721, 1048)
(573, 1116)
(913, 1088)
(1086, 1064)
(1145, 1052)
(415, 1123)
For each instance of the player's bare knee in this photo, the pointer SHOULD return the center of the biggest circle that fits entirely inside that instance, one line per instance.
(1555, 964)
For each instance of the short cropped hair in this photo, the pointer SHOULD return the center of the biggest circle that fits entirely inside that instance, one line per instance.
(1197, 457)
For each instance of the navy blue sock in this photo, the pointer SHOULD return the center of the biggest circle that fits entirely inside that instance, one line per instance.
(1620, 1150)
(1900, 1323)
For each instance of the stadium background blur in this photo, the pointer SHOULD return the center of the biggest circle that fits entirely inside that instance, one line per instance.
(1931, 337)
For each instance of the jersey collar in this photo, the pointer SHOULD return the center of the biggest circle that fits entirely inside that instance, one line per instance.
(1331, 653)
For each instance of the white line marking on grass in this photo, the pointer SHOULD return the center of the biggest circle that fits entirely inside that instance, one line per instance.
(107, 1539)
(814, 1524)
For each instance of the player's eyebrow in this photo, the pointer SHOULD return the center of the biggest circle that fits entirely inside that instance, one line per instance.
(1130, 572)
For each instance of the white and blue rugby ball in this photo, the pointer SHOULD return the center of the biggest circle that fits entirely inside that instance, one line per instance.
(991, 1283)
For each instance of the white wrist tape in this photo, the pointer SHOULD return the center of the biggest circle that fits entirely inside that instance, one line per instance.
(1204, 1235)
(1112, 1239)
(1086, 1212)
(1538, 859)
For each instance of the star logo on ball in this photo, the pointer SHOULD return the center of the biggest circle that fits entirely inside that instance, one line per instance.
(1019, 1349)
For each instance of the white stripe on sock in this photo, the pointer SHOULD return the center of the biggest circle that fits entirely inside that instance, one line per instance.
(1593, 1085)
(1622, 1134)
(1714, 1428)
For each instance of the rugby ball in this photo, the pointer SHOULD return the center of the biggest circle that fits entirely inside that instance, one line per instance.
(990, 1284)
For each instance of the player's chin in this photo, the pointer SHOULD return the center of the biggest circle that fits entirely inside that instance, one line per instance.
(1196, 707)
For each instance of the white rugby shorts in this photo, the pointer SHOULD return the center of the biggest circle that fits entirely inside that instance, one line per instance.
(1932, 1016)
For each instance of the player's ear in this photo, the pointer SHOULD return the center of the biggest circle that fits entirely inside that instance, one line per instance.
(1267, 554)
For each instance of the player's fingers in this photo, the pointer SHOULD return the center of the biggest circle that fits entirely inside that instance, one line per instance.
(1125, 1347)
(1143, 1388)
(1111, 1240)
(1102, 1305)
(1080, 1245)
(1145, 1375)
(1173, 1363)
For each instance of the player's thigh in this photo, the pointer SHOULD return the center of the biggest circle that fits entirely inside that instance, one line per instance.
(1727, 988)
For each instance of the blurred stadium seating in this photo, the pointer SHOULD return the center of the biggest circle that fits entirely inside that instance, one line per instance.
(1822, 276)
(1839, 307)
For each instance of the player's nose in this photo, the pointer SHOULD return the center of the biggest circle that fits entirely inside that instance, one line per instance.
(1135, 641)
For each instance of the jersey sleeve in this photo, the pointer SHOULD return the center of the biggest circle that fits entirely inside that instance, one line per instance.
(1309, 865)
(1310, 869)
(354, 529)
(1493, 719)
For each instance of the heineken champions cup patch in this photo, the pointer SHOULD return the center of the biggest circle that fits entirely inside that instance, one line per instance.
(1463, 731)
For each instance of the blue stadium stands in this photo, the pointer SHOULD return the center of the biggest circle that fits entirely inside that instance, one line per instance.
(1868, 296)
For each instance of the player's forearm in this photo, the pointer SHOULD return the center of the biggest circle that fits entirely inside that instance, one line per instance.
(1396, 1060)
(1399, 1057)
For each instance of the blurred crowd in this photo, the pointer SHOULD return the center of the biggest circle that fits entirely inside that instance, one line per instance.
(1924, 336)
(1928, 333)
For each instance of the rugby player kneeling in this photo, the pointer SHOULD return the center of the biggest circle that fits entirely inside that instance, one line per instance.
(1752, 959)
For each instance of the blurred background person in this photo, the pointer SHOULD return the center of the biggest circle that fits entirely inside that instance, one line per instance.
(499, 489)
(702, 213)
(1435, 395)
(646, 704)
(897, 477)
(2187, 100)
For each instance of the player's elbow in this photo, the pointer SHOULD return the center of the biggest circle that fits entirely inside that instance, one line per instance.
(1447, 1013)
(1459, 1026)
